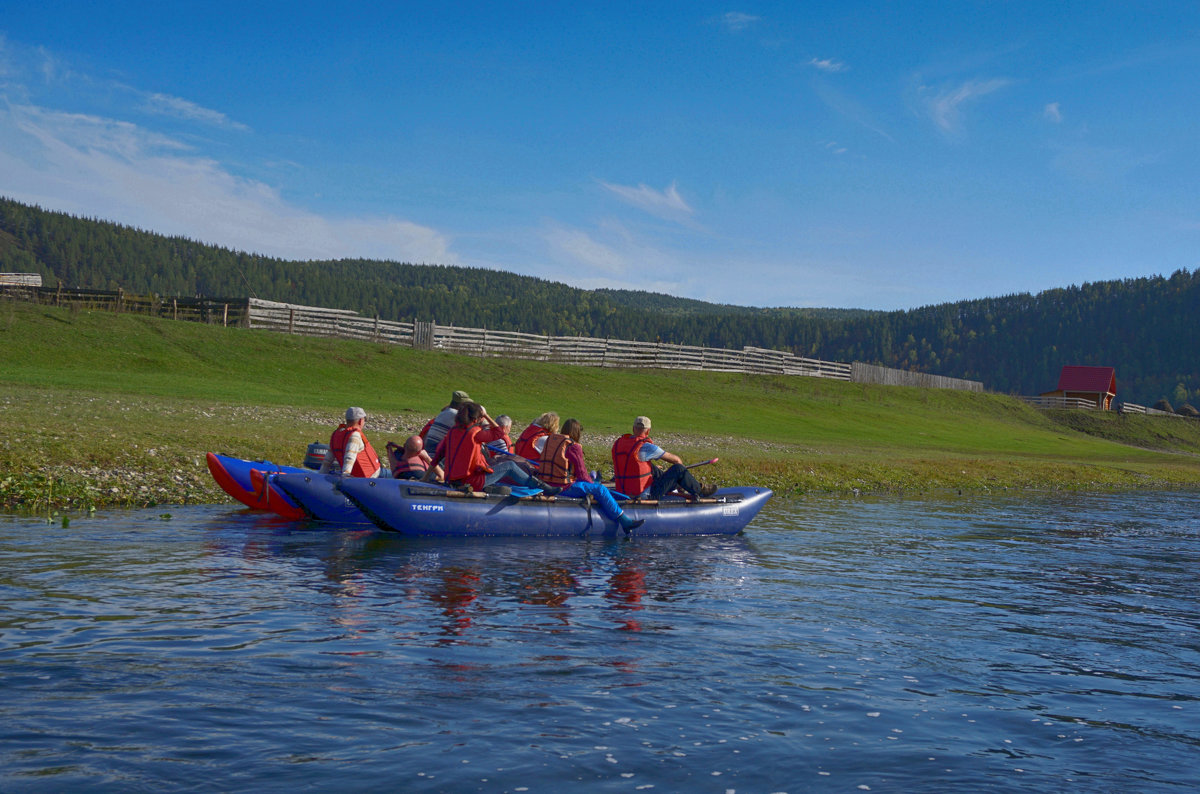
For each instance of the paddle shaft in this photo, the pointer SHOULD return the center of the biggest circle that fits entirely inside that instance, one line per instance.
(702, 463)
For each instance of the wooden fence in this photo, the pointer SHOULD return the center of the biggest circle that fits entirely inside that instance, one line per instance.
(1078, 403)
(1134, 408)
(20, 280)
(1061, 402)
(870, 373)
(217, 311)
(584, 351)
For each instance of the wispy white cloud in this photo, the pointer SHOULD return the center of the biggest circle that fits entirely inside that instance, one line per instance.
(1052, 112)
(581, 248)
(945, 106)
(848, 107)
(738, 21)
(76, 162)
(611, 254)
(176, 107)
(666, 203)
(827, 65)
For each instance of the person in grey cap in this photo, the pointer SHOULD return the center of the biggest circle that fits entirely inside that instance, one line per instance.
(631, 456)
(350, 453)
(437, 427)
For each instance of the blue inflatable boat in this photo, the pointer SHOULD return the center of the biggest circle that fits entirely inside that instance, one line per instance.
(423, 509)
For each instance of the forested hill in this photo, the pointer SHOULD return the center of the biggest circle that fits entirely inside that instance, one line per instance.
(1144, 327)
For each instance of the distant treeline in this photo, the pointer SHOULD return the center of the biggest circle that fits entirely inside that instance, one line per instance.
(1144, 327)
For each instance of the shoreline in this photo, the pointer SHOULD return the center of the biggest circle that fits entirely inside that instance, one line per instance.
(62, 489)
(145, 451)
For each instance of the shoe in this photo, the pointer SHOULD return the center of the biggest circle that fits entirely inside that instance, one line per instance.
(628, 524)
(547, 490)
(708, 489)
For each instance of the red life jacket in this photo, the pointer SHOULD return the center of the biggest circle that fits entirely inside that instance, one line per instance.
(464, 458)
(365, 464)
(525, 447)
(553, 468)
(632, 475)
(402, 466)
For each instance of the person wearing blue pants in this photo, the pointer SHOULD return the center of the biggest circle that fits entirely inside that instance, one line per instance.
(562, 464)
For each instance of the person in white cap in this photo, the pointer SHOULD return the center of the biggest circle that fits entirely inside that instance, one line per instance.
(349, 450)
(635, 477)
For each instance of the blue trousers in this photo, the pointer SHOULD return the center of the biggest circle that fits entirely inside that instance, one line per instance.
(603, 497)
(511, 470)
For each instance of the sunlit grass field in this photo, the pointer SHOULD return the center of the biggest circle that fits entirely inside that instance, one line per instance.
(98, 408)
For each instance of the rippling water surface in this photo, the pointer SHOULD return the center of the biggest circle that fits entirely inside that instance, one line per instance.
(1040, 644)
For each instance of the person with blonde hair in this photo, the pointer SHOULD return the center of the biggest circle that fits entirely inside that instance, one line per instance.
(533, 438)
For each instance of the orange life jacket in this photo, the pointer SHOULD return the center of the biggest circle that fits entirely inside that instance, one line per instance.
(553, 468)
(464, 458)
(365, 464)
(525, 447)
(632, 475)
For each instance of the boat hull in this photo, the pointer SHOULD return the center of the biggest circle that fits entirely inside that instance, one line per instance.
(234, 477)
(272, 498)
(421, 509)
(317, 495)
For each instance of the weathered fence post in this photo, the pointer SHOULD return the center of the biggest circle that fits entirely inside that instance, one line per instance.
(225, 316)
(291, 319)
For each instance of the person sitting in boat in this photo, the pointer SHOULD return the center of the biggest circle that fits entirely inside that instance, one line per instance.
(502, 445)
(631, 456)
(349, 450)
(533, 438)
(411, 461)
(562, 465)
(500, 452)
(466, 465)
(436, 428)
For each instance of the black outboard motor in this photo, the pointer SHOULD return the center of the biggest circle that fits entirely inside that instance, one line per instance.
(316, 455)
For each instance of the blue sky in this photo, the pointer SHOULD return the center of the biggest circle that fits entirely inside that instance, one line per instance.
(871, 155)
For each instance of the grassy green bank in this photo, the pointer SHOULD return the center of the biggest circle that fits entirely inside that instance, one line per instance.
(101, 409)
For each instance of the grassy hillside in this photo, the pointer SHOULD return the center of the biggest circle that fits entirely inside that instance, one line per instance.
(1014, 343)
(100, 408)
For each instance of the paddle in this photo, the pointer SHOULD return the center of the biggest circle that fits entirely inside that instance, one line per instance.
(702, 463)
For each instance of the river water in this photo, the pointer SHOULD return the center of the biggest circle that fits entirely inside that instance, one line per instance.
(1045, 643)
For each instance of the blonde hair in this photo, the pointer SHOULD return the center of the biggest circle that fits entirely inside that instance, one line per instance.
(548, 421)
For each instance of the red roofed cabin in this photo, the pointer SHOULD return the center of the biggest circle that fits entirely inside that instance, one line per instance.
(1097, 385)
